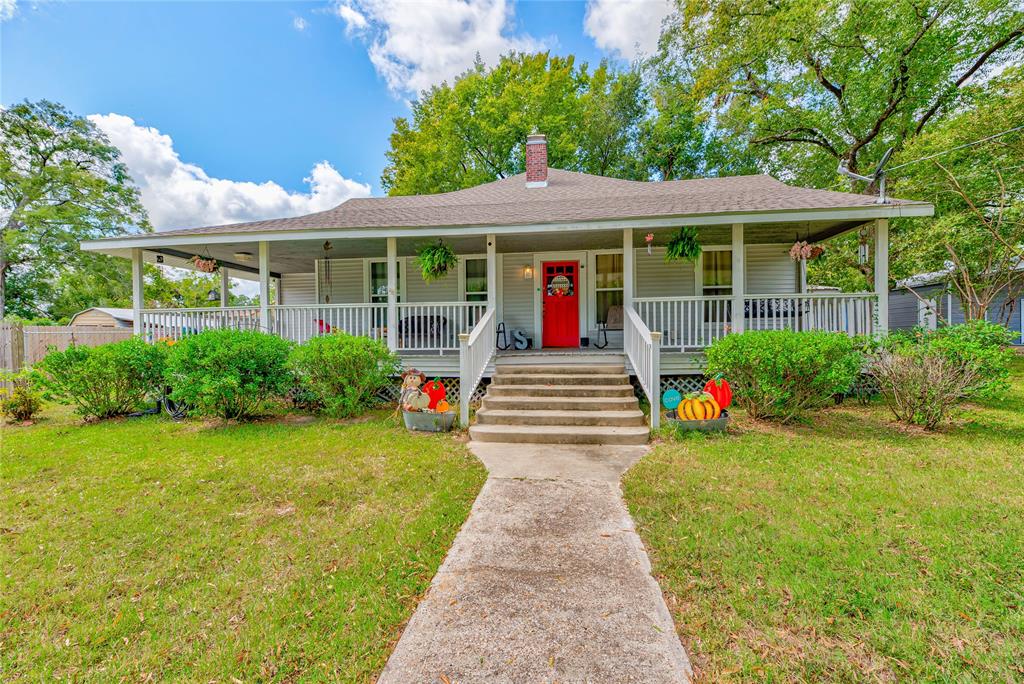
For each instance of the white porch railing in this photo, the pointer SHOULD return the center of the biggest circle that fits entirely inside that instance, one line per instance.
(173, 324)
(643, 348)
(686, 322)
(436, 326)
(476, 349)
(853, 314)
(300, 323)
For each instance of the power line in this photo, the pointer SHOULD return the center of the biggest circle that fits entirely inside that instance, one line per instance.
(954, 149)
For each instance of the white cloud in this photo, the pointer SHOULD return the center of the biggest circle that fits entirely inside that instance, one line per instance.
(415, 45)
(8, 8)
(181, 195)
(300, 24)
(627, 28)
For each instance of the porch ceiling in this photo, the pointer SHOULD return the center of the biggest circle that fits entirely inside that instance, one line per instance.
(297, 256)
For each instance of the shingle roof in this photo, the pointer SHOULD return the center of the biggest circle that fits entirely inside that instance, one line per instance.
(569, 197)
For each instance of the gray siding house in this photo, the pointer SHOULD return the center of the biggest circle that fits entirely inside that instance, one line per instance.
(562, 261)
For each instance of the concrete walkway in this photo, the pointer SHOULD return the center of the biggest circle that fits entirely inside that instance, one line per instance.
(546, 582)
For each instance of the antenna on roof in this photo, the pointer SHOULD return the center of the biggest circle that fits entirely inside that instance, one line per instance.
(878, 175)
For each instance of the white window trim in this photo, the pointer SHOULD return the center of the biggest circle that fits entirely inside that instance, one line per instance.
(591, 285)
(698, 267)
(462, 272)
(403, 275)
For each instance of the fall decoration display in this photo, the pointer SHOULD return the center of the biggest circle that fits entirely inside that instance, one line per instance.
(671, 399)
(683, 246)
(436, 260)
(718, 387)
(699, 407)
(442, 407)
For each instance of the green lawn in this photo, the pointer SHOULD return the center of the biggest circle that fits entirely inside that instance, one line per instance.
(282, 550)
(846, 549)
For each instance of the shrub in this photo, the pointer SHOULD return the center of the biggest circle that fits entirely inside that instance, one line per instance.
(344, 373)
(779, 374)
(21, 402)
(924, 375)
(228, 373)
(104, 381)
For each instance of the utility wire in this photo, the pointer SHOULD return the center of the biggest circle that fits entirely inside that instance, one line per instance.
(954, 149)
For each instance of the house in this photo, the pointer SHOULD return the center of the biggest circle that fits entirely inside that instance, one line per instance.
(926, 300)
(557, 258)
(103, 317)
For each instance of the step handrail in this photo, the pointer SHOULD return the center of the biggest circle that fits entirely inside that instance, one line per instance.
(643, 348)
(476, 349)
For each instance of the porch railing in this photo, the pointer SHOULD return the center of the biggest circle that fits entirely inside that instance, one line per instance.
(643, 348)
(436, 326)
(853, 314)
(173, 324)
(476, 350)
(300, 323)
(686, 322)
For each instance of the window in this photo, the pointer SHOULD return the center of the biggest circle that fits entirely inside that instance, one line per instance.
(608, 287)
(717, 272)
(379, 282)
(476, 280)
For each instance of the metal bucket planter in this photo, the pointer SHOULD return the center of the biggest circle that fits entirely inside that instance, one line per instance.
(422, 421)
(717, 425)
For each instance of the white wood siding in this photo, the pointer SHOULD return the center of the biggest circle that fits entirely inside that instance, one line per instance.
(346, 286)
(298, 288)
(418, 290)
(517, 293)
(656, 278)
(769, 270)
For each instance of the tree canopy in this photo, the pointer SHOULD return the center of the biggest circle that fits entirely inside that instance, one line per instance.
(61, 181)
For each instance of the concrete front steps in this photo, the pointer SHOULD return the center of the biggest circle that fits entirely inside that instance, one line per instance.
(560, 403)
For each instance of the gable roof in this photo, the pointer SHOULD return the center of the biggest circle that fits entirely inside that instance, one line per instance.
(569, 197)
(125, 315)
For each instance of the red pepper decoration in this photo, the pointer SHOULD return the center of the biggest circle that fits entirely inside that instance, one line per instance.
(436, 391)
(718, 387)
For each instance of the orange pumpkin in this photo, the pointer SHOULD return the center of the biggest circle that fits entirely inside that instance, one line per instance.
(442, 406)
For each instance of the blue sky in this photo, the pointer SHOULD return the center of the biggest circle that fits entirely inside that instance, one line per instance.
(228, 111)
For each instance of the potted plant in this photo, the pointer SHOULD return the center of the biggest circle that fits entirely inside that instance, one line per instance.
(204, 264)
(435, 261)
(683, 245)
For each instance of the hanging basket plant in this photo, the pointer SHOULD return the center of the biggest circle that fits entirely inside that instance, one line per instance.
(204, 264)
(435, 261)
(802, 249)
(683, 245)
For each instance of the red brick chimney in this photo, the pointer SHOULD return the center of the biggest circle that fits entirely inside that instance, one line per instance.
(536, 160)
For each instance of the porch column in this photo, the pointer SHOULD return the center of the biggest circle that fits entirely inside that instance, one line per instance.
(739, 271)
(628, 257)
(492, 273)
(392, 293)
(264, 286)
(138, 291)
(882, 274)
(225, 286)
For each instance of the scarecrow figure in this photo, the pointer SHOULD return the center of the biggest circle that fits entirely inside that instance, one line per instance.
(413, 398)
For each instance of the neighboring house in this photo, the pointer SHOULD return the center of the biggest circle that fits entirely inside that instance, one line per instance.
(560, 258)
(927, 300)
(103, 317)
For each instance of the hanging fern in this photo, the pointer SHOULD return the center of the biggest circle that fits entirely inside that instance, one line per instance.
(683, 246)
(435, 261)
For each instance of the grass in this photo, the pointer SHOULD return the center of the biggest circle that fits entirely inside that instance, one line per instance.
(284, 550)
(846, 549)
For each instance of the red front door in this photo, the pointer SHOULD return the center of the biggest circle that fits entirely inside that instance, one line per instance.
(560, 298)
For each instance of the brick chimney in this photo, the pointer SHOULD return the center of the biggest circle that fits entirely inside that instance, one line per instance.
(536, 160)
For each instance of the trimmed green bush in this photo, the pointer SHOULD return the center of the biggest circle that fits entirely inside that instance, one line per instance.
(779, 374)
(228, 373)
(344, 373)
(105, 381)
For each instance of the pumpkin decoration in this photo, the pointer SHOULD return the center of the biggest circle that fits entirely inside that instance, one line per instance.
(699, 407)
(442, 406)
(718, 387)
(436, 391)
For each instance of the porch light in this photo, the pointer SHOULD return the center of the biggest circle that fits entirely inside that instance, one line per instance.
(527, 272)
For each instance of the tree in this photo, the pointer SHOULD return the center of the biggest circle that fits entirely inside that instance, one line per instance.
(474, 130)
(61, 181)
(810, 83)
(978, 192)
